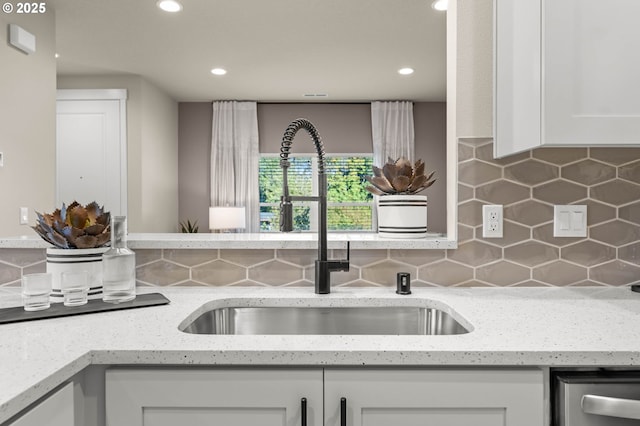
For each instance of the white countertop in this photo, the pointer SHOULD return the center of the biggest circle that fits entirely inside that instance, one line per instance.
(294, 240)
(511, 327)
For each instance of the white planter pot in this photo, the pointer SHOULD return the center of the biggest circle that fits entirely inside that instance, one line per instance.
(90, 260)
(402, 216)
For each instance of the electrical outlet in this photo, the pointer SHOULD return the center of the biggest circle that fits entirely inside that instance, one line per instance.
(492, 221)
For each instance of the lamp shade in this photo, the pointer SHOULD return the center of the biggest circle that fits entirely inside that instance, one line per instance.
(227, 217)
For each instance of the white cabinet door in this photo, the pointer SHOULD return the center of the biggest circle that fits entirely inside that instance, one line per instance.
(56, 410)
(413, 397)
(199, 397)
(565, 74)
(591, 71)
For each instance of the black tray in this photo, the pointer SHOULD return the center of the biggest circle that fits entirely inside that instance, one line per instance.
(18, 313)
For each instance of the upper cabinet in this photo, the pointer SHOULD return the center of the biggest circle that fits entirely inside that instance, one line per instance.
(566, 74)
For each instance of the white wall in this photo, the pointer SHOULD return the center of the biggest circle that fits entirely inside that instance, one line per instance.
(27, 123)
(152, 129)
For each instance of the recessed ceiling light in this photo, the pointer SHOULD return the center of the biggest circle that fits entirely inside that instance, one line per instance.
(405, 71)
(218, 71)
(440, 5)
(57, 55)
(169, 5)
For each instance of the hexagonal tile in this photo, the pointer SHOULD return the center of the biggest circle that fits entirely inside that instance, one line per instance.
(485, 153)
(147, 255)
(464, 192)
(503, 192)
(512, 234)
(218, 273)
(476, 172)
(531, 172)
(560, 155)
(275, 272)
(22, 257)
(385, 272)
(465, 152)
(588, 172)
(9, 273)
(630, 172)
(503, 273)
(616, 233)
(465, 233)
(560, 273)
(587, 283)
(190, 257)
(559, 192)
(531, 253)
(529, 212)
(360, 283)
(616, 156)
(616, 192)
(298, 257)
(630, 253)
(337, 278)
(588, 253)
(630, 212)
(247, 257)
(417, 257)
(162, 273)
(364, 257)
(445, 273)
(35, 268)
(470, 213)
(545, 233)
(475, 253)
(615, 273)
(598, 212)
(473, 283)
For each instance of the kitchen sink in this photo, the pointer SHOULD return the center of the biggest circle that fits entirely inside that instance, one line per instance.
(369, 320)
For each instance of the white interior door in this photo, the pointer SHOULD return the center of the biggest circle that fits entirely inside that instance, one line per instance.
(91, 148)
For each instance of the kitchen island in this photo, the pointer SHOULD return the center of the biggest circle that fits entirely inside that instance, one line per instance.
(509, 327)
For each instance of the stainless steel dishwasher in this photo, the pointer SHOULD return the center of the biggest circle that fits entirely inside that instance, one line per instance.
(596, 398)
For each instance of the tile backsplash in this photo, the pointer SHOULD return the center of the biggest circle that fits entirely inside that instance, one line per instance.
(607, 180)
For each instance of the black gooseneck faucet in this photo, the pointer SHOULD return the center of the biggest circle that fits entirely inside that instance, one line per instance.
(324, 267)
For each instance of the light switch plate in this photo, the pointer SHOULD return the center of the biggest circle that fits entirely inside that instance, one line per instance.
(570, 221)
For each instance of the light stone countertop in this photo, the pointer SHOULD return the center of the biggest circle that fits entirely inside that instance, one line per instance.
(511, 327)
(293, 240)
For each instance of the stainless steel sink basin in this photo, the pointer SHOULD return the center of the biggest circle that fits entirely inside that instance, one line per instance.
(379, 320)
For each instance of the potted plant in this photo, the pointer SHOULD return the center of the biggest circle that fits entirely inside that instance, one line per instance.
(80, 235)
(401, 212)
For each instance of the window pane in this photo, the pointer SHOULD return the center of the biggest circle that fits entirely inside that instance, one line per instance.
(270, 218)
(349, 218)
(270, 178)
(346, 179)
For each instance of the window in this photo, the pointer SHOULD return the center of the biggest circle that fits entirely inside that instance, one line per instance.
(349, 205)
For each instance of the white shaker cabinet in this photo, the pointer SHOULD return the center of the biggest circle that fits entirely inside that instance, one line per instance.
(566, 74)
(199, 397)
(363, 396)
(413, 397)
(57, 409)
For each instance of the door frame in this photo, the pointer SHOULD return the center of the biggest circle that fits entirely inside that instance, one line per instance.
(104, 95)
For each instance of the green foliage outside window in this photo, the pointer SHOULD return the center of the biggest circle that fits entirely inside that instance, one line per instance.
(349, 204)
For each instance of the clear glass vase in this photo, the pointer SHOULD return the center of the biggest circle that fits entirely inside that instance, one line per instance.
(118, 265)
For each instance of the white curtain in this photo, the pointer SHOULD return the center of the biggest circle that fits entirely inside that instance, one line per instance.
(392, 131)
(234, 158)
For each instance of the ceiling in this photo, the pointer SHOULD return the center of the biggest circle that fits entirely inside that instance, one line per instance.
(273, 50)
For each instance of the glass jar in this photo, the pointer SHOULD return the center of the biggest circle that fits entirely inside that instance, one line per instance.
(118, 265)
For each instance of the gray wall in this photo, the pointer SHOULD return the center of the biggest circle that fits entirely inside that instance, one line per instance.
(344, 128)
(27, 122)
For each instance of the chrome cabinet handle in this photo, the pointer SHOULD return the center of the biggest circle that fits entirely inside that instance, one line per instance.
(612, 407)
(303, 411)
(343, 411)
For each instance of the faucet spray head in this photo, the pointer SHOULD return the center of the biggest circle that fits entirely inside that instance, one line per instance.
(286, 214)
